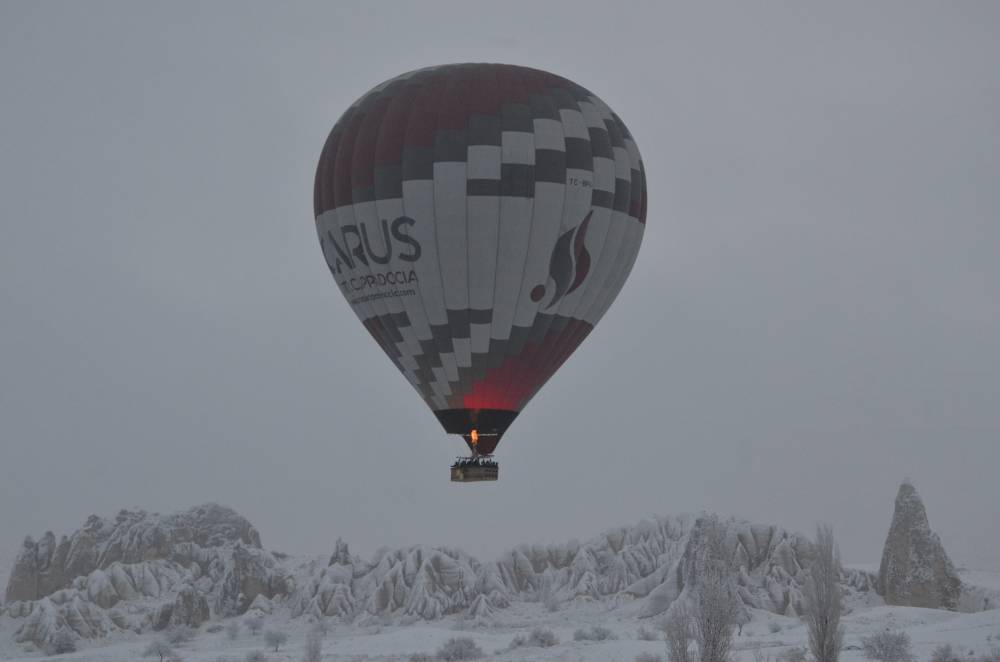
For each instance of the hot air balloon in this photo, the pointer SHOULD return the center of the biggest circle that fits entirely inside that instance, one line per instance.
(479, 219)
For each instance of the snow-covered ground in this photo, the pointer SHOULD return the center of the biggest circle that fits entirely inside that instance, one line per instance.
(976, 633)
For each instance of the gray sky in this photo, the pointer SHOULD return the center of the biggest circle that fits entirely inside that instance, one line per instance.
(813, 315)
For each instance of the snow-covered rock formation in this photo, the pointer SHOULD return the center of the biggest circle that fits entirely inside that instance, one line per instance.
(140, 571)
(421, 582)
(654, 561)
(132, 537)
(915, 570)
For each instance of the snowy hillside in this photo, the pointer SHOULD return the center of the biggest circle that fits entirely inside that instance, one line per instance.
(975, 633)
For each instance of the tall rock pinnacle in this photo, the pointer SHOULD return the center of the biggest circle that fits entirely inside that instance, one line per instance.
(915, 569)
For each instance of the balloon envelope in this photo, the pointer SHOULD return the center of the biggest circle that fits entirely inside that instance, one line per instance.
(479, 219)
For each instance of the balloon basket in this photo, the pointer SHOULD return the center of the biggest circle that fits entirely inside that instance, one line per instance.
(474, 470)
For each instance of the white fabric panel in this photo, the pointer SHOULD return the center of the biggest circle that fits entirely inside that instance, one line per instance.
(413, 304)
(453, 252)
(623, 163)
(418, 203)
(628, 250)
(633, 153)
(603, 254)
(591, 115)
(484, 161)
(573, 124)
(621, 222)
(518, 147)
(366, 217)
(484, 219)
(463, 352)
(549, 135)
(480, 338)
(363, 306)
(604, 174)
(577, 207)
(450, 222)
(549, 200)
(512, 249)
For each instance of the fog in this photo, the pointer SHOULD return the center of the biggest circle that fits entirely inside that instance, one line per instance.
(813, 315)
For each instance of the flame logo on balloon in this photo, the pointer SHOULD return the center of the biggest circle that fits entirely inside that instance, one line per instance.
(569, 265)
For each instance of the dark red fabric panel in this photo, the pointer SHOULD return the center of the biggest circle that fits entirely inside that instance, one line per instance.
(512, 384)
(363, 159)
(389, 150)
(342, 161)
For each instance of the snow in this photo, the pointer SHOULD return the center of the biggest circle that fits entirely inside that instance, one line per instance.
(977, 632)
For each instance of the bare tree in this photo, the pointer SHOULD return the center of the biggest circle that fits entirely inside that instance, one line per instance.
(822, 599)
(716, 603)
(677, 631)
(254, 623)
(314, 646)
(275, 638)
(714, 617)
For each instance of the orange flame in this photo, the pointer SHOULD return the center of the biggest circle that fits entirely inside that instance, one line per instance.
(475, 437)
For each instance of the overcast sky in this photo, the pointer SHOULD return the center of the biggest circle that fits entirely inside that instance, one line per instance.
(814, 314)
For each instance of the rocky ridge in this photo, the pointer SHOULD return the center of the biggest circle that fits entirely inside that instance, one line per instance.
(141, 572)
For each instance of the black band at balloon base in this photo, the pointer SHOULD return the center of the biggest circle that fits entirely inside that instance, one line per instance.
(461, 421)
(489, 424)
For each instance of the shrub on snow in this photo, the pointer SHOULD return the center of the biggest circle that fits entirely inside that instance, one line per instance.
(459, 648)
(596, 633)
(887, 647)
(645, 634)
(539, 638)
(180, 634)
(63, 642)
(255, 656)
(793, 655)
(648, 657)
(945, 653)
